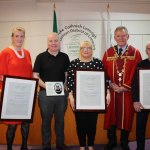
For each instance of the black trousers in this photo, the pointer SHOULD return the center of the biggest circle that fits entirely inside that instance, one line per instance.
(49, 106)
(10, 134)
(86, 126)
(141, 121)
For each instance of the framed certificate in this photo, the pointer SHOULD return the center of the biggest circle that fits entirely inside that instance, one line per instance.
(144, 87)
(90, 91)
(18, 98)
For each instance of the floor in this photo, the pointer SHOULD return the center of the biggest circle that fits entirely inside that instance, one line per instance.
(132, 146)
(16, 147)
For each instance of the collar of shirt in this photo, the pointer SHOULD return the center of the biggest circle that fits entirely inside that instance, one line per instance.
(123, 48)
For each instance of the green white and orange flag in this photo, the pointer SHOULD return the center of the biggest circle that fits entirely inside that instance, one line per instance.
(55, 29)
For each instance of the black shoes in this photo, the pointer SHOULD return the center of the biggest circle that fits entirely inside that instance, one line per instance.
(23, 148)
(62, 147)
(9, 148)
(110, 146)
(58, 147)
(125, 146)
(46, 148)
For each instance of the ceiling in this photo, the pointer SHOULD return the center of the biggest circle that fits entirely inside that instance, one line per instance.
(82, 1)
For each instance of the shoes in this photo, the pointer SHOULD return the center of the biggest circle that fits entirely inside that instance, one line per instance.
(9, 148)
(125, 146)
(46, 148)
(110, 146)
(90, 148)
(22, 148)
(62, 147)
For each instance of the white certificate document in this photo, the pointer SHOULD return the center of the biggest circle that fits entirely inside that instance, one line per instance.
(18, 98)
(54, 88)
(144, 86)
(90, 90)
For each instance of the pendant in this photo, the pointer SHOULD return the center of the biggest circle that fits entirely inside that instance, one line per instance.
(119, 79)
(120, 74)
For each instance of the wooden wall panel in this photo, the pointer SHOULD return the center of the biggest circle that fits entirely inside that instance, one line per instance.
(70, 130)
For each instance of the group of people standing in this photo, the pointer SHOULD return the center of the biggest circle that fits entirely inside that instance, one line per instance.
(120, 63)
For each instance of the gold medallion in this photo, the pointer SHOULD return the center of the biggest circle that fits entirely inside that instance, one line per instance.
(119, 79)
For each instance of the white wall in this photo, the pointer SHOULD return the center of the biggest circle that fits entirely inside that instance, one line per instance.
(36, 17)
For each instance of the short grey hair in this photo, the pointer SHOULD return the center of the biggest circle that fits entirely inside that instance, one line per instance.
(120, 28)
(148, 43)
(54, 33)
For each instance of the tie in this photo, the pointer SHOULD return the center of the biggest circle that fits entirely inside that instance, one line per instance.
(120, 51)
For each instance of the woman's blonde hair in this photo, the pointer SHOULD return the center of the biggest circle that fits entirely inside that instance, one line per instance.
(86, 44)
(18, 29)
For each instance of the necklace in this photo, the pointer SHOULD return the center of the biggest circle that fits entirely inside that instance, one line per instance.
(121, 71)
(16, 52)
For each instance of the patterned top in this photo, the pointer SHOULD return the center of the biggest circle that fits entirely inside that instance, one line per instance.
(76, 64)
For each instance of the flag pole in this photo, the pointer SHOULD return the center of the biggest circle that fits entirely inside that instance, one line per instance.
(54, 5)
(108, 27)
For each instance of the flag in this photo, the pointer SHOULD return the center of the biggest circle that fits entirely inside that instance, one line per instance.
(109, 35)
(55, 21)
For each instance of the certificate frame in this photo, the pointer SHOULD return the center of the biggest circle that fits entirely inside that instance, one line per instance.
(96, 79)
(18, 98)
(144, 87)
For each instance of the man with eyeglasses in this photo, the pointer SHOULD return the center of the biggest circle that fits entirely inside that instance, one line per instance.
(120, 63)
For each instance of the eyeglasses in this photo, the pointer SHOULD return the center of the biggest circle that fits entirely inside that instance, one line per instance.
(86, 48)
(121, 36)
